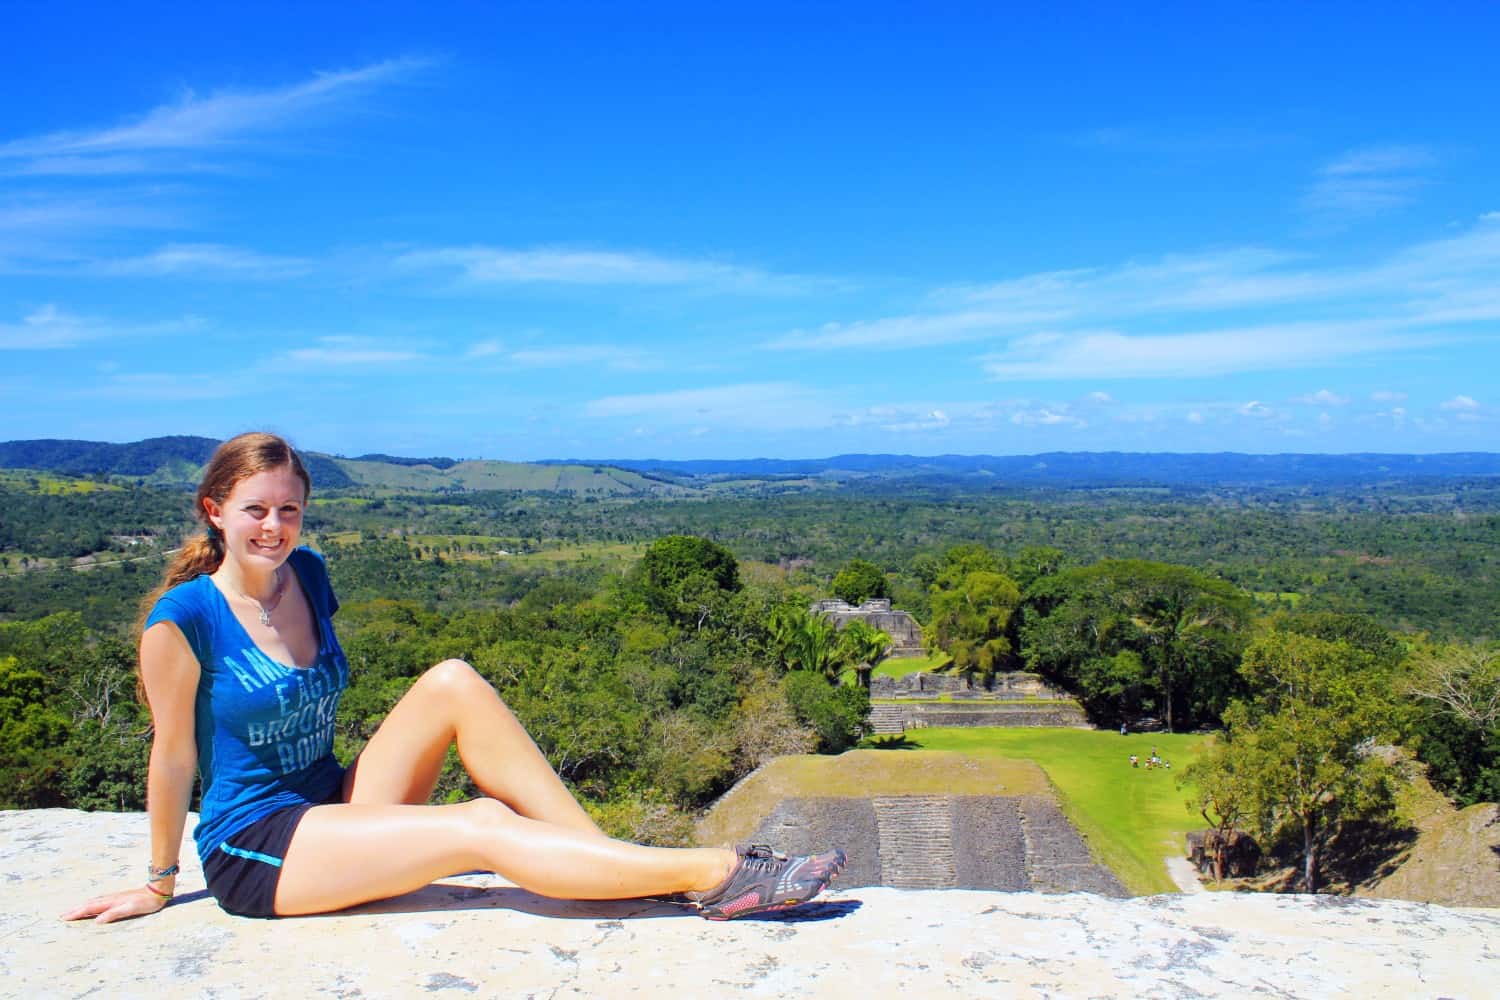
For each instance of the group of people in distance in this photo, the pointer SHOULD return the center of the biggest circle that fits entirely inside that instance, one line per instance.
(242, 673)
(1152, 761)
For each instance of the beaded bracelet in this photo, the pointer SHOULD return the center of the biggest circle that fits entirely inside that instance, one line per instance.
(153, 873)
(157, 892)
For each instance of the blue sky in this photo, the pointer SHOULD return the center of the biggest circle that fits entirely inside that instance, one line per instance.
(546, 231)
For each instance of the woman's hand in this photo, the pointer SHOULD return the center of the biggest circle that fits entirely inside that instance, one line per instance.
(118, 906)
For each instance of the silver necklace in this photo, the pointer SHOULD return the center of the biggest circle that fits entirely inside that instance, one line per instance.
(267, 608)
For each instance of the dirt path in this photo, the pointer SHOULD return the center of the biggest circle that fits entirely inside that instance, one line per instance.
(1183, 873)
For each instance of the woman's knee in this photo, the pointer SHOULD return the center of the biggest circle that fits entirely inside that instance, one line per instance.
(455, 678)
(484, 816)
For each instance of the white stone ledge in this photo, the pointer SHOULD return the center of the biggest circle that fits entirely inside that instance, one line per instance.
(476, 936)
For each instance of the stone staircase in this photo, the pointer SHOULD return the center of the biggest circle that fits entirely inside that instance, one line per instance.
(916, 841)
(887, 720)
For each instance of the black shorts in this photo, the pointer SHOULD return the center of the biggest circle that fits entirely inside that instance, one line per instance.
(242, 872)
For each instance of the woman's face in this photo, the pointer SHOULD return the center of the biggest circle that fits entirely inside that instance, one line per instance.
(261, 518)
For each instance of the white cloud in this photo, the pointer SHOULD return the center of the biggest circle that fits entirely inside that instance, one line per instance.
(1255, 408)
(1194, 417)
(155, 140)
(1460, 404)
(1046, 417)
(1173, 283)
(1112, 354)
(1100, 397)
(905, 332)
(484, 349)
(758, 405)
(1157, 318)
(485, 265)
(933, 420)
(1323, 397)
(1368, 181)
(49, 328)
(585, 356)
(1381, 160)
(1387, 396)
(163, 387)
(351, 352)
(205, 259)
(48, 215)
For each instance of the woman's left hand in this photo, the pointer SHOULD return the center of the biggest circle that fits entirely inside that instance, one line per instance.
(120, 905)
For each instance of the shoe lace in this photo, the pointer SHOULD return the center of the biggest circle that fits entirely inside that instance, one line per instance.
(762, 858)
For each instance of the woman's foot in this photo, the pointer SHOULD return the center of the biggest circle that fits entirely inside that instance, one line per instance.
(763, 879)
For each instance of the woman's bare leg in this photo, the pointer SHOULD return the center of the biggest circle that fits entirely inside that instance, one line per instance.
(342, 855)
(452, 704)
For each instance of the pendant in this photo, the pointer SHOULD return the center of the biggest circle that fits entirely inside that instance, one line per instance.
(265, 617)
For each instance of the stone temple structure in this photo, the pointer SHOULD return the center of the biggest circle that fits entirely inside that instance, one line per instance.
(905, 633)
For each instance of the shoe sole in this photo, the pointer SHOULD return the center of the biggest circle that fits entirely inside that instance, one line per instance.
(775, 906)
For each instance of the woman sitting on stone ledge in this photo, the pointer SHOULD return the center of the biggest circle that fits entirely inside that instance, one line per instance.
(242, 672)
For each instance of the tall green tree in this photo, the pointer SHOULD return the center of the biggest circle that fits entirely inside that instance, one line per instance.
(858, 581)
(1456, 700)
(1186, 628)
(862, 646)
(971, 621)
(805, 641)
(688, 578)
(1296, 757)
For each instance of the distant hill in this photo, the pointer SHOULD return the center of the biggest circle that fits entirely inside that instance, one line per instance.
(163, 461)
(90, 458)
(436, 463)
(178, 461)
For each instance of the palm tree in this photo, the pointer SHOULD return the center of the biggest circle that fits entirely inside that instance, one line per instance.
(804, 641)
(862, 646)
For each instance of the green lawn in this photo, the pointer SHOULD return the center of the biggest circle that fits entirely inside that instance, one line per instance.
(903, 665)
(1131, 817)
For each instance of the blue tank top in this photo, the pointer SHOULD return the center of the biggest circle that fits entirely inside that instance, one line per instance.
(264, 728)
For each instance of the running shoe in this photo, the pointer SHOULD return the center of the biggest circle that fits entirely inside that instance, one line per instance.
(764, 879)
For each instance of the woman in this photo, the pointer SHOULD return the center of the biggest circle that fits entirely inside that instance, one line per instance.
(242, 673)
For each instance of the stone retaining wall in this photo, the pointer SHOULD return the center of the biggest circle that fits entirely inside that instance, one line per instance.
(918, 714)
(1009, 686)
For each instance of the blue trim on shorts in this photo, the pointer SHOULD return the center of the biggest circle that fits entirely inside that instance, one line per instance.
(240, 852)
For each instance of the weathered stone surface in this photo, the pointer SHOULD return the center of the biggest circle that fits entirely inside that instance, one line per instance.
(1011, 844)
(475, 936)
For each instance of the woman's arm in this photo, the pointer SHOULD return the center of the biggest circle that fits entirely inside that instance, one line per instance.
(170, 673)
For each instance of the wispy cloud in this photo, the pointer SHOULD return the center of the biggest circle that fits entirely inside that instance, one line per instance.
(1460, 404)
(205, 260)
(1047, 417)
(932, 420)
(904, 332)
(758, 405)
(1248, 277)
(1323, 397)
(487, 265)
(164, 138)
(49, 328)
(1187, 315)
(159, 387)
(1368, 181)
(586, 356)
(1111, 354)
(352, 352)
